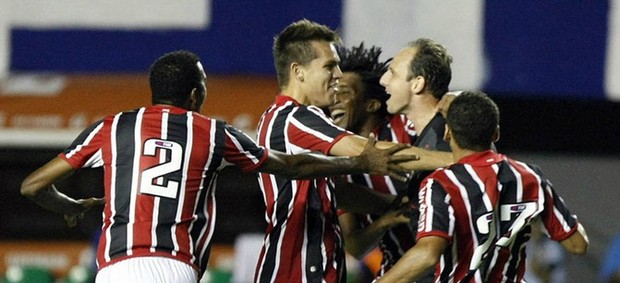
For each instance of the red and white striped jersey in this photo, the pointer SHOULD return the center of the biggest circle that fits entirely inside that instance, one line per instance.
(484, 205)
(303, 241)
(160, 170)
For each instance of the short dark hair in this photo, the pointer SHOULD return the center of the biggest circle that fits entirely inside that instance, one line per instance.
(432, 62)
(365, 63)
(173, 76)
(293, 45)
(473, 119)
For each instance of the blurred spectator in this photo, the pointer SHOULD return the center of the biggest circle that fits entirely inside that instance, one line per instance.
(610, 270)
(546, 260)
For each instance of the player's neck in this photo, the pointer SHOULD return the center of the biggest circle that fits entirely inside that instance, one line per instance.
(460, 153)
(294, 93)
(422, 109)
(369, 126)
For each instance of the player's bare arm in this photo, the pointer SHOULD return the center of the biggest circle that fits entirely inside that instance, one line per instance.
(423, 256)
(578, 242)
(312, 165)
(361, 240)
(39, 187)
(429, 160)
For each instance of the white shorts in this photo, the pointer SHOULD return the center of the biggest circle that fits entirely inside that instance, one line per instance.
(147, 269)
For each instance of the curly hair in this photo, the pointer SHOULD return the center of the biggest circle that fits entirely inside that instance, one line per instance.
(365, 63)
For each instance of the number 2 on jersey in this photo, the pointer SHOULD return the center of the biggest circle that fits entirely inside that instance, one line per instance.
(153, 179)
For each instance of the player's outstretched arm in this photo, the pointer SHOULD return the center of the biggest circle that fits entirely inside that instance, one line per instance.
(312, 165)
(38, 186)
(429, 160)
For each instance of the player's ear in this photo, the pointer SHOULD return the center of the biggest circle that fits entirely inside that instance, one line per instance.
(373, 105)
(418, 83)
(297, 72)
(496, 135)
(193, 99)
(447, 134)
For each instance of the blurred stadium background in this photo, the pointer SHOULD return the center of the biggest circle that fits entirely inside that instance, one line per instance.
(553, 68)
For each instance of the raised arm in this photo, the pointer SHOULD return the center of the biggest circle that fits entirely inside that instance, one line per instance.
(38, 186)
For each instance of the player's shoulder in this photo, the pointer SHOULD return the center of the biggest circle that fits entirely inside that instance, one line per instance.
(531, 166)
(312, 109)
(440, 174)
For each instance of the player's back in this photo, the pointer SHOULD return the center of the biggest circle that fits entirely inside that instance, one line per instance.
(494, 198)
(160, 164)
(160, 200)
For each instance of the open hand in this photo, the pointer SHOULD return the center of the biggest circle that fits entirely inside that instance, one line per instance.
(385, 162)
(444, 103)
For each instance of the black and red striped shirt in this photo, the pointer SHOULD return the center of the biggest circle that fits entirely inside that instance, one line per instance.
(160, 170)
(303, 241)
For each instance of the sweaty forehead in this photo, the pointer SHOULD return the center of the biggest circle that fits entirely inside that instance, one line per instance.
(325, 51)
(405, 54)
(402, 60)
(334, 52)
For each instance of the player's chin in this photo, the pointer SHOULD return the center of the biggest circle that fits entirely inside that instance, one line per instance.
(328, 101)
(391, 108)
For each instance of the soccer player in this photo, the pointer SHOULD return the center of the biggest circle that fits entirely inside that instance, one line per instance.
(360, 108)
(303, 241)
(416, 81)
(475, 215)
(161, 165)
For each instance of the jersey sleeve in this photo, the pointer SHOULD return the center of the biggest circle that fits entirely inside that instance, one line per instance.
(436, 214)
(557, 218)
(85, 150)
(242, 151)
(310, 129)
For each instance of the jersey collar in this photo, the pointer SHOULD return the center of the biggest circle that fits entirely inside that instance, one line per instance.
(482, 158)
(281, 99)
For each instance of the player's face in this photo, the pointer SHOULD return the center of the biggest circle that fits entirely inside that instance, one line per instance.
(321, 75)
(396, 83)
(347, 110)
